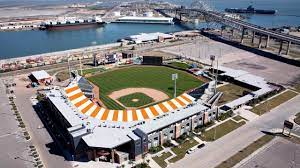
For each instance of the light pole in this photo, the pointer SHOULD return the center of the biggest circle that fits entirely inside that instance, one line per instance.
(174, 78)
(212, 58)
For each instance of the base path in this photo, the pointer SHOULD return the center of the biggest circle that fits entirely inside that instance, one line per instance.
(156, 95)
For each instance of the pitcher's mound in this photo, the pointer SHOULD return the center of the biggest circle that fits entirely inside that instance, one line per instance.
(135, 100)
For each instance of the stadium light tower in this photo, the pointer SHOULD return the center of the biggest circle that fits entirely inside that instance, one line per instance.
(174, 78)
(213, 58)
(69, 67)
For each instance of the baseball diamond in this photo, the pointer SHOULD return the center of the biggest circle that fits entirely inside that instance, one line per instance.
(152, 77)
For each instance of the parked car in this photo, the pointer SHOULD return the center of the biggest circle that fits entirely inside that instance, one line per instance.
(201, 146)
(193, 149)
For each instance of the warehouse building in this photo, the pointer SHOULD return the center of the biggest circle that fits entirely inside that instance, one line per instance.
(40, 77)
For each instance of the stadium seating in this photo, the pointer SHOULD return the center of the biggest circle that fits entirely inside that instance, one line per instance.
(87, 107)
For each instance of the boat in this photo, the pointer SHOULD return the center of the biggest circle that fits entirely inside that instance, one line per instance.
(250, 10)
(71, 24)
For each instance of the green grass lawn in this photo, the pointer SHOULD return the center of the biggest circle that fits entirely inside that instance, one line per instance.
(221, 130)
(160, 160)
(233, 160)
(154, 150)
(231, 92)
(238, 118)
(274, 102)
(297, 87)
(181, 65)
(64, 75)
(92, 70)
(156, 77)
(141, 98)
(181, 150)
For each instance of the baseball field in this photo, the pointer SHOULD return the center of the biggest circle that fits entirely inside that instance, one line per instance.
(138, 86)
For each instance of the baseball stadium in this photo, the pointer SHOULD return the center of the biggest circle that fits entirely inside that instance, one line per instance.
(119, 114)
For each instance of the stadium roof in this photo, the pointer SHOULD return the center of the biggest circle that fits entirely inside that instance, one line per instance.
(107, 137)
(173, 117)
(66, 108)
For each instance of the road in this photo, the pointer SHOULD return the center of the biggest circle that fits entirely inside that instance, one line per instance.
(278, 153)
(220, 150)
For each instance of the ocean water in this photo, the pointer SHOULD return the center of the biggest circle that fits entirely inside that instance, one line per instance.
(24, 43)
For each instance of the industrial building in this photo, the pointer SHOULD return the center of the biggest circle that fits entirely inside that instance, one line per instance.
(147, 37)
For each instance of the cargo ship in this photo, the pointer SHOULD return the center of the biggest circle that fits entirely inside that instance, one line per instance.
(250, 10)
(71, 24)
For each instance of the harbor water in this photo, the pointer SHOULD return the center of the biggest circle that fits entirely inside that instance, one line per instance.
(24, 43)
(288, 11)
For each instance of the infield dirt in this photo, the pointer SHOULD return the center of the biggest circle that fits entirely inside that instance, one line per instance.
(156, 95)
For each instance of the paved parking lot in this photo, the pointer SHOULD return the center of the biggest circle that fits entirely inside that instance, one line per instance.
(48, 151)
(232, 57)
(12, 143)
(281, 153)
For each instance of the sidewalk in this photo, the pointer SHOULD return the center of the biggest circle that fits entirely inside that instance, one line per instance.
(245, 113)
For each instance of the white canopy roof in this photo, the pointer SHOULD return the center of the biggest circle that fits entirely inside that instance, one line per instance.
(40, 74)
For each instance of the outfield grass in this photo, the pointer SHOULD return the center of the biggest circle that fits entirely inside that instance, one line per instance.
(181, 65)
(273, 102)
(160, 160)
(231, 92)
(156, 77)
(141, 97)
(221, 130)
(233, 160)
(181, 149)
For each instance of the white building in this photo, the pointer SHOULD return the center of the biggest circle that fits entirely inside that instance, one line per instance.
(146, 37)
(150, 20)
